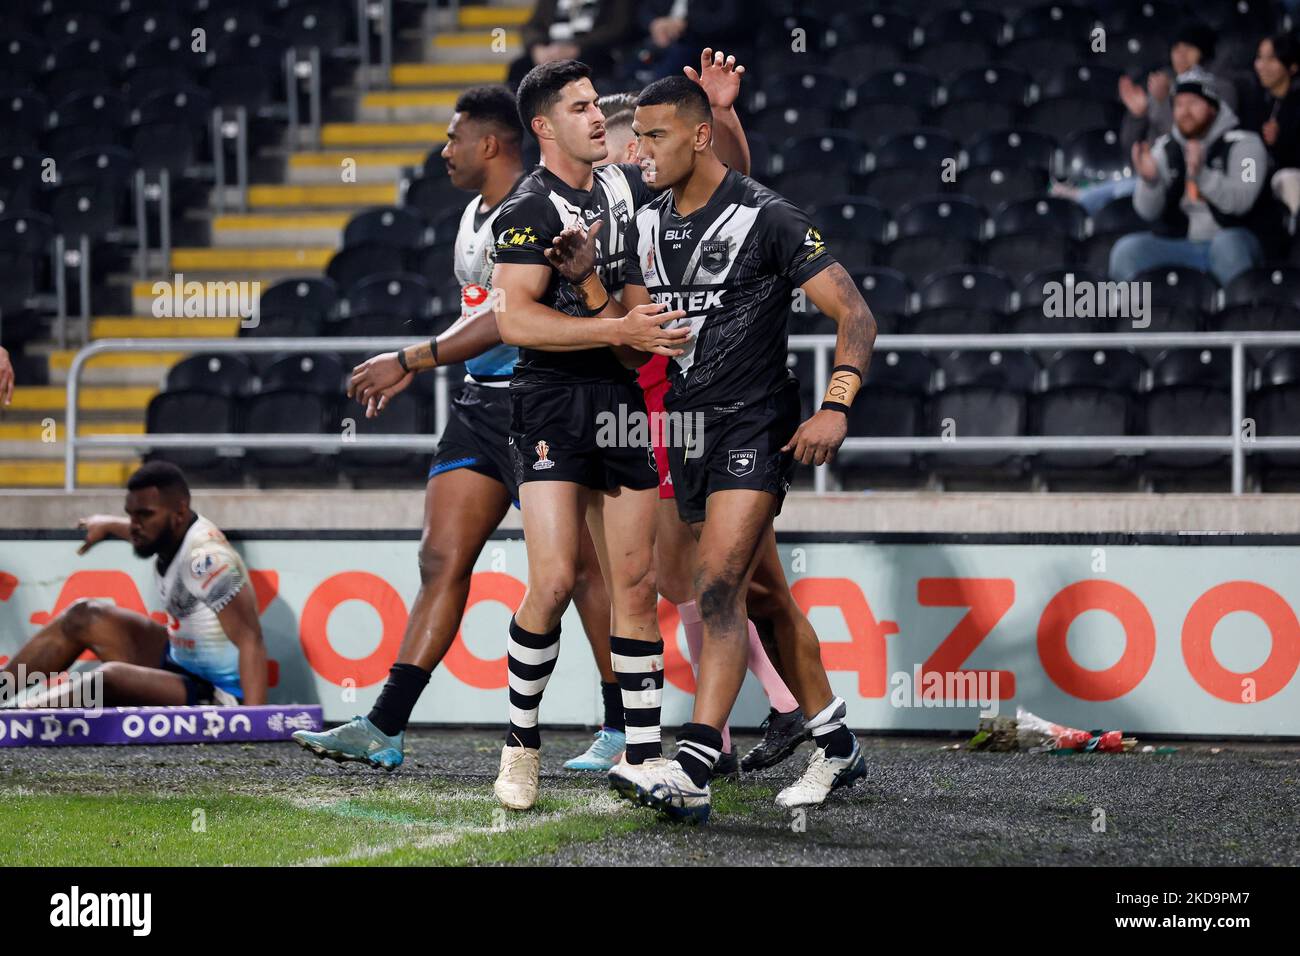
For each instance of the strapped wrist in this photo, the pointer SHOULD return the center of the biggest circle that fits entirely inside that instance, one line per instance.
(842, 388)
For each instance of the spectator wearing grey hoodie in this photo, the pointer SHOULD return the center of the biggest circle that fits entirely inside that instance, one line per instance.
(1203, 188)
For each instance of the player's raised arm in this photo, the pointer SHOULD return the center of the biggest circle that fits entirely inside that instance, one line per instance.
(835, 293)
(720, 75)
(239, 621)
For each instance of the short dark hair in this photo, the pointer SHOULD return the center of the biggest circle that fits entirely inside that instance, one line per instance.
(611, 104)
(620, 120)
(687, 95)
(1285, 49)
(162, 475)
(540, 89)
(494, 105)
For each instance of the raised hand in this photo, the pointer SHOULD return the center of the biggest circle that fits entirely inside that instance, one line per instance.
(719, 75)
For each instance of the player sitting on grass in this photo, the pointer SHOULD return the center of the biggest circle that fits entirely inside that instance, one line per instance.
(210, 650)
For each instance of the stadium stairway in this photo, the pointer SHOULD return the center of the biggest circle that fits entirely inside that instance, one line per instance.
(293, 224)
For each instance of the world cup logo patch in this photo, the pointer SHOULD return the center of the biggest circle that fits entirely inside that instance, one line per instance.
(542, 462)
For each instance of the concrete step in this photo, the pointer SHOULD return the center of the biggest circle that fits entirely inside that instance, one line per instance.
(389, 106)
(383, 134)
(247, 259)
(337, 195)
(12, 433)
(457, 75)
(53, 399)
(471, 46)
(279, 229)
(36, 473)
(382, 166)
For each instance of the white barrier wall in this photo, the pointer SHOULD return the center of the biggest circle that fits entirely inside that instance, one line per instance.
(1190, 638)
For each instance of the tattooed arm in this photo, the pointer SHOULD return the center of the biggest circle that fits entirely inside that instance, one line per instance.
(835, 293)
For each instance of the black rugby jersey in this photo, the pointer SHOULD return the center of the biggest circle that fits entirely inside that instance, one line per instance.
(541, 207)
(731, 265)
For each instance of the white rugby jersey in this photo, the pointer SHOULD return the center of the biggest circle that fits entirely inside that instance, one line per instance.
(475, 256)
(204, 576)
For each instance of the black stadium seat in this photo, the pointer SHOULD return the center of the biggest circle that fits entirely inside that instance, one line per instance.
(315, 295)
(288, 411)
(1035, 234)
(1275, 408)
(387, 224)
(216, 372)
(854, 228)
(349, 266)
(891, 404)
(317, 372)
(1046, 298)
(1094, 155)
(191, 411)
(390, 293)
(405, 414)
(1190, 396)
(934, 232)
(888, 293)
(984, 394)
(992, 186)
(1011, 147)
(1087, 393)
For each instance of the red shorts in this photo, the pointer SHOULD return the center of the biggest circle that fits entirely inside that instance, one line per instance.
(653, 378)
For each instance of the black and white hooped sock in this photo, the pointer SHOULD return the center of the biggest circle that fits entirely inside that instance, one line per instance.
(531, 659)
(828, 729)
(698, 748)
(639, 666)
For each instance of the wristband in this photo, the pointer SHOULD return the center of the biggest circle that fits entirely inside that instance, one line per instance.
(401, 360)
(835, 407)
(843, 386)
(593, 290)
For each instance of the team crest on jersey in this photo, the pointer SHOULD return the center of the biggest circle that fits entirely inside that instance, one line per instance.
(620, 212)
(542, 462)
(816, 246)
(202, 563)
(714, 255)
(740, 461)
(517, 236)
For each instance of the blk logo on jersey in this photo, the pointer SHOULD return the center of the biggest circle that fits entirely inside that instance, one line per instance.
(715, 254)
(740, 462)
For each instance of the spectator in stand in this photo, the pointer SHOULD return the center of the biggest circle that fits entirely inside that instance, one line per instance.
(1149, 112)
(586, 30)
(6, 378)
(1274, 112)
(673, 32)
(1207, 212)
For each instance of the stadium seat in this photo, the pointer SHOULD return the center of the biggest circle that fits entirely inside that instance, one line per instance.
(405, 414)
(810, 162)
(1190, 396)
(192, 411)
(853, 227)
(1070, 78)
(1179, 286)
(318, 372)
(991, 186)
(20, 181)
(959, 39)
(891, 100)
(1060, 116)
(1032, 316)
(217, 372)
(1011, 147)
(933, 232)
(1035, 234)
(1087, 393)
(1265, 284)
(1275, 409)
(984, 394)
(982, 99)
(888, 293)
(793, 102)
(390, 293)
(316, 296)
(349, 266)
(873, 40)
(387, 224)
(431, 196)
(909, 164)
(891, 404)
(289, 411)
(1116, 218)
(1094, 155)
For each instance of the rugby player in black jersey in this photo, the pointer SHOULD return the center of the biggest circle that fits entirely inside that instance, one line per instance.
(571, 380)
(728, 253)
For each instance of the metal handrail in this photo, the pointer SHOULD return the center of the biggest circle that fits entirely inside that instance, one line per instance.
(821, 345)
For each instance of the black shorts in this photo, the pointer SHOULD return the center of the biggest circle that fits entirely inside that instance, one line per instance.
(582, 433)
(735, 449)
(198, 690)
(477, 436)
